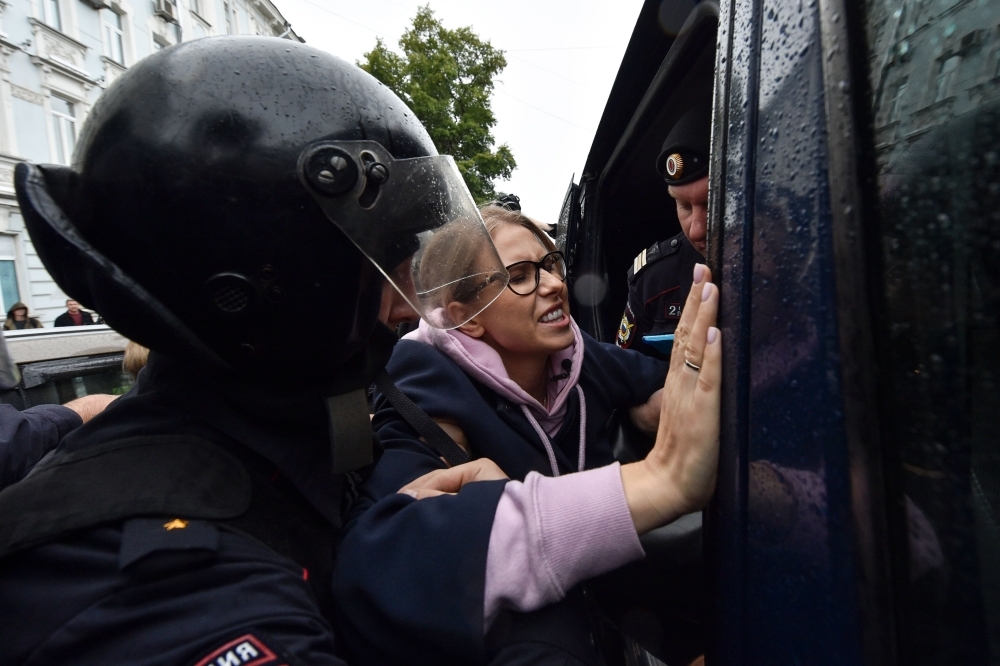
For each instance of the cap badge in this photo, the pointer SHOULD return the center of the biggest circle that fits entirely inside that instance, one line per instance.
(675, 166)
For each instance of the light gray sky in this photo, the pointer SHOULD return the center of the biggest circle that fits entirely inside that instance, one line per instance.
(562, 58)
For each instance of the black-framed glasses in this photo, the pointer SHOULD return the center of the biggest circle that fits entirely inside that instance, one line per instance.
(524, 275)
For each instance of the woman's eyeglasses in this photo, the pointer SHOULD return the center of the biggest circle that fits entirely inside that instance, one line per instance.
(525, 275)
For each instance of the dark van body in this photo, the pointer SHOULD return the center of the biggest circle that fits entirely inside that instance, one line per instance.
(853, 230)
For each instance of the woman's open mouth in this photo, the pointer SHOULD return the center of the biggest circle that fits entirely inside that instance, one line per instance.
(555, 315)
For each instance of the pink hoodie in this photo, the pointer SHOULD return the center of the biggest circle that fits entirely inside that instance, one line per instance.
(548, 533)
(481, 362)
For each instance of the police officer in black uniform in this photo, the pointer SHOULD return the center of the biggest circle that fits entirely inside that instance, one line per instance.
(660, 277)
(218, 186)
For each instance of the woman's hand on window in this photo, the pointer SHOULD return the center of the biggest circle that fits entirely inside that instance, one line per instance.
(678, 476)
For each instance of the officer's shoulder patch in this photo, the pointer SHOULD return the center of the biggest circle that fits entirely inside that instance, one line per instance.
(142, 537)
(247, 650)
(624, 337)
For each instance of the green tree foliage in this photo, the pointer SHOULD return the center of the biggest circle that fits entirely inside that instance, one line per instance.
(446, 77)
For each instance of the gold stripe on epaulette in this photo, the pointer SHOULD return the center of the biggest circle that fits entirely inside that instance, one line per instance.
(639, 262)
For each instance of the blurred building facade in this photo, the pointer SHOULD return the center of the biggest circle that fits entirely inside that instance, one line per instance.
(933, 60)
(56, 58)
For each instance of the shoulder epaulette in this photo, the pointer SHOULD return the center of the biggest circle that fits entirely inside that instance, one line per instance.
(654, 253)
(650, 254)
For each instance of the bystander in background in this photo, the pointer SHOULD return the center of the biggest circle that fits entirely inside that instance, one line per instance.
(74, 316)
(18, 319)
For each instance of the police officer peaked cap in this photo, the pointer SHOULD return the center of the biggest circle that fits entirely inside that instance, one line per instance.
(192, 216)
(684, 157)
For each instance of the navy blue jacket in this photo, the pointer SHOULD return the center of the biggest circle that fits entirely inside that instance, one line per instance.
(431, 554)
(139, 592)
(27, 436)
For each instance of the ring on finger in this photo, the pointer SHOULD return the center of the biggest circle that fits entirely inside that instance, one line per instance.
(696, 368)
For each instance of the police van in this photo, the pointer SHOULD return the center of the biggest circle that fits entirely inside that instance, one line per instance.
(855, 236)
(60, 364)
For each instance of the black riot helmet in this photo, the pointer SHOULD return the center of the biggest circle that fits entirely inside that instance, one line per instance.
(238, 201)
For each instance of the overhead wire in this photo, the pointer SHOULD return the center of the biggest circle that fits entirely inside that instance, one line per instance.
(538, 108)
(341, 16)
(548, 71)
(564, 48)
(500, 89)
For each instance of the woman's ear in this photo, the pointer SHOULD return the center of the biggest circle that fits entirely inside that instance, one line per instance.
(472, 328)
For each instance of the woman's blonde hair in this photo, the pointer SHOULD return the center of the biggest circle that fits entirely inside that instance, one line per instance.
(448, 251)
(495, 216)
(135, 359)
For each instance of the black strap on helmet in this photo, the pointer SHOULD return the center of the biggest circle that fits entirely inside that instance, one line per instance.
(433, 435)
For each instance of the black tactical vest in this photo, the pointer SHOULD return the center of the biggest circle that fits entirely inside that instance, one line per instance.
(169, 476)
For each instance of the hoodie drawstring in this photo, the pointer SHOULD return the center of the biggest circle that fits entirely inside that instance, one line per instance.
(582, 456)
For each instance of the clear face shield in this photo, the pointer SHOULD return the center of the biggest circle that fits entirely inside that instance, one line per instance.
(415, 220)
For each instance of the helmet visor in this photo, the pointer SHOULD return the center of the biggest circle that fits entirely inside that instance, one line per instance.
(415, 220)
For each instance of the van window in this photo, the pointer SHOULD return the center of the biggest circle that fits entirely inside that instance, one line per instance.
(937, 150)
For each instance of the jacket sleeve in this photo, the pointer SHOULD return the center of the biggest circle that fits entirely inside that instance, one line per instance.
(627, 376)
(25, 437)
(410, 575)
(551, 533)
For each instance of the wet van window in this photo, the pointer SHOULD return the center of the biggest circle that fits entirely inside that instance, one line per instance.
(933, 75)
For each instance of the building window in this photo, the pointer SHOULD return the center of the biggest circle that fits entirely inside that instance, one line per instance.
(114, 37)
(53, 15)
(945, 84)
(63, 128)
(196, 6)
(229, 18)
(9, 293)
(895, 104)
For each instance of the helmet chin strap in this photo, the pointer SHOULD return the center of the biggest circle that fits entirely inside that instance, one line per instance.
(350, 431)
(347, 408)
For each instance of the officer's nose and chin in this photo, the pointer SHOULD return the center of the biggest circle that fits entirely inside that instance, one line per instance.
(395, 309)
(692, 210)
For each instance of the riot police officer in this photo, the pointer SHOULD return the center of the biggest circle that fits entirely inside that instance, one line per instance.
(217, 187)
(660, 276)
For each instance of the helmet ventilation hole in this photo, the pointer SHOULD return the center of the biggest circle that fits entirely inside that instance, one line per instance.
(231, 299)
(231, 293)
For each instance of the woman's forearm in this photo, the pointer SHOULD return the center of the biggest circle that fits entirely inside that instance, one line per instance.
(551, 533)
